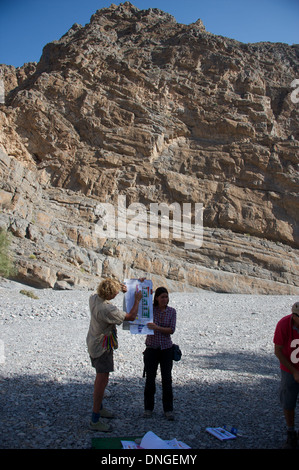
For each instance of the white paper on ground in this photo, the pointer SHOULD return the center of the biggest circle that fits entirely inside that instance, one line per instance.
(130, 445)
(175, 444)
(221, 433)
(151, 441)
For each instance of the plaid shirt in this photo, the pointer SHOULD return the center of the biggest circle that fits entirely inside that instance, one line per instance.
(165, 319)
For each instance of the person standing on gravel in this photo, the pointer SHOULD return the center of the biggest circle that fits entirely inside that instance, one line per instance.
(102, 340)
(159, 351)
(286, 340)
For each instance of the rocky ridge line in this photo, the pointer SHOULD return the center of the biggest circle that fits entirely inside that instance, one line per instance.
(135, 104)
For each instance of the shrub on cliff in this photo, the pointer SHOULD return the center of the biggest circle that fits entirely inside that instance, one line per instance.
(6, 263)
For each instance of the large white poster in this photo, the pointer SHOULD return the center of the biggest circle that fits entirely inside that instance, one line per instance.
(145, 310)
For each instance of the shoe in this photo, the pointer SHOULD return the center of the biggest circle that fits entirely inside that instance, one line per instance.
(106, 413)
(169, 415)
(291, 442)
(147, 413)
(100, 426)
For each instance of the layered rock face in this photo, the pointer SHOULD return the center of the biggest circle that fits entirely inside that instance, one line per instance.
(134, 104)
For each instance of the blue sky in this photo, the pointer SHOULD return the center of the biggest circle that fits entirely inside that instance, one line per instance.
(27, 25)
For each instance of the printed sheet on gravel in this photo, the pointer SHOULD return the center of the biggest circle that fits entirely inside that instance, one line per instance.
(145, 311)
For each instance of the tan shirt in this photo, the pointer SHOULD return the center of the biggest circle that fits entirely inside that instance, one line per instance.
(103, 318)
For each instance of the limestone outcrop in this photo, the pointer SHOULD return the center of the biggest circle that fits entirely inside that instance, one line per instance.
(135, 104)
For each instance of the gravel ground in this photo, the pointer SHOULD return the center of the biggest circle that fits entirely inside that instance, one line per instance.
(228, 374)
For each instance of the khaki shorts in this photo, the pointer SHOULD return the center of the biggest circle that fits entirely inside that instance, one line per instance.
(104, 363)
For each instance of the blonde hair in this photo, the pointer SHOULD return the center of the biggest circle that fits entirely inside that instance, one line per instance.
(108, 288)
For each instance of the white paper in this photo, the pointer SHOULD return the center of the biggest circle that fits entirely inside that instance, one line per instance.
(175, 444)
(152, 441)
(140, 330)
(130, 445)
(145, 310)
(221, 433)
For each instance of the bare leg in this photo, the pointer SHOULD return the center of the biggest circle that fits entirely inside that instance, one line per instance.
(291, 441)
(100, 384)
(290, 418)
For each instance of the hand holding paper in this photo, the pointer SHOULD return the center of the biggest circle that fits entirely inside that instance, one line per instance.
(138, 295)
(144, 289)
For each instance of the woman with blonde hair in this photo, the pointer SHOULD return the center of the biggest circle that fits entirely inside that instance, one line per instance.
(102, 340)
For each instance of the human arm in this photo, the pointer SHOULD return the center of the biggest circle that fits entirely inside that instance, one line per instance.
(284, 361)
(170, 323)
(161, 329)
(134, 310)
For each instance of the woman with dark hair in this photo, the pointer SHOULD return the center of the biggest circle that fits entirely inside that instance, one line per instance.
(159, 351)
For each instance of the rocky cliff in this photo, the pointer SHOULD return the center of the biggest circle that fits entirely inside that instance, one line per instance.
(138, 105)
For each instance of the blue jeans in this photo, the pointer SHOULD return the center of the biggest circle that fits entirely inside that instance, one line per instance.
(289, 390)
(152, 358)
